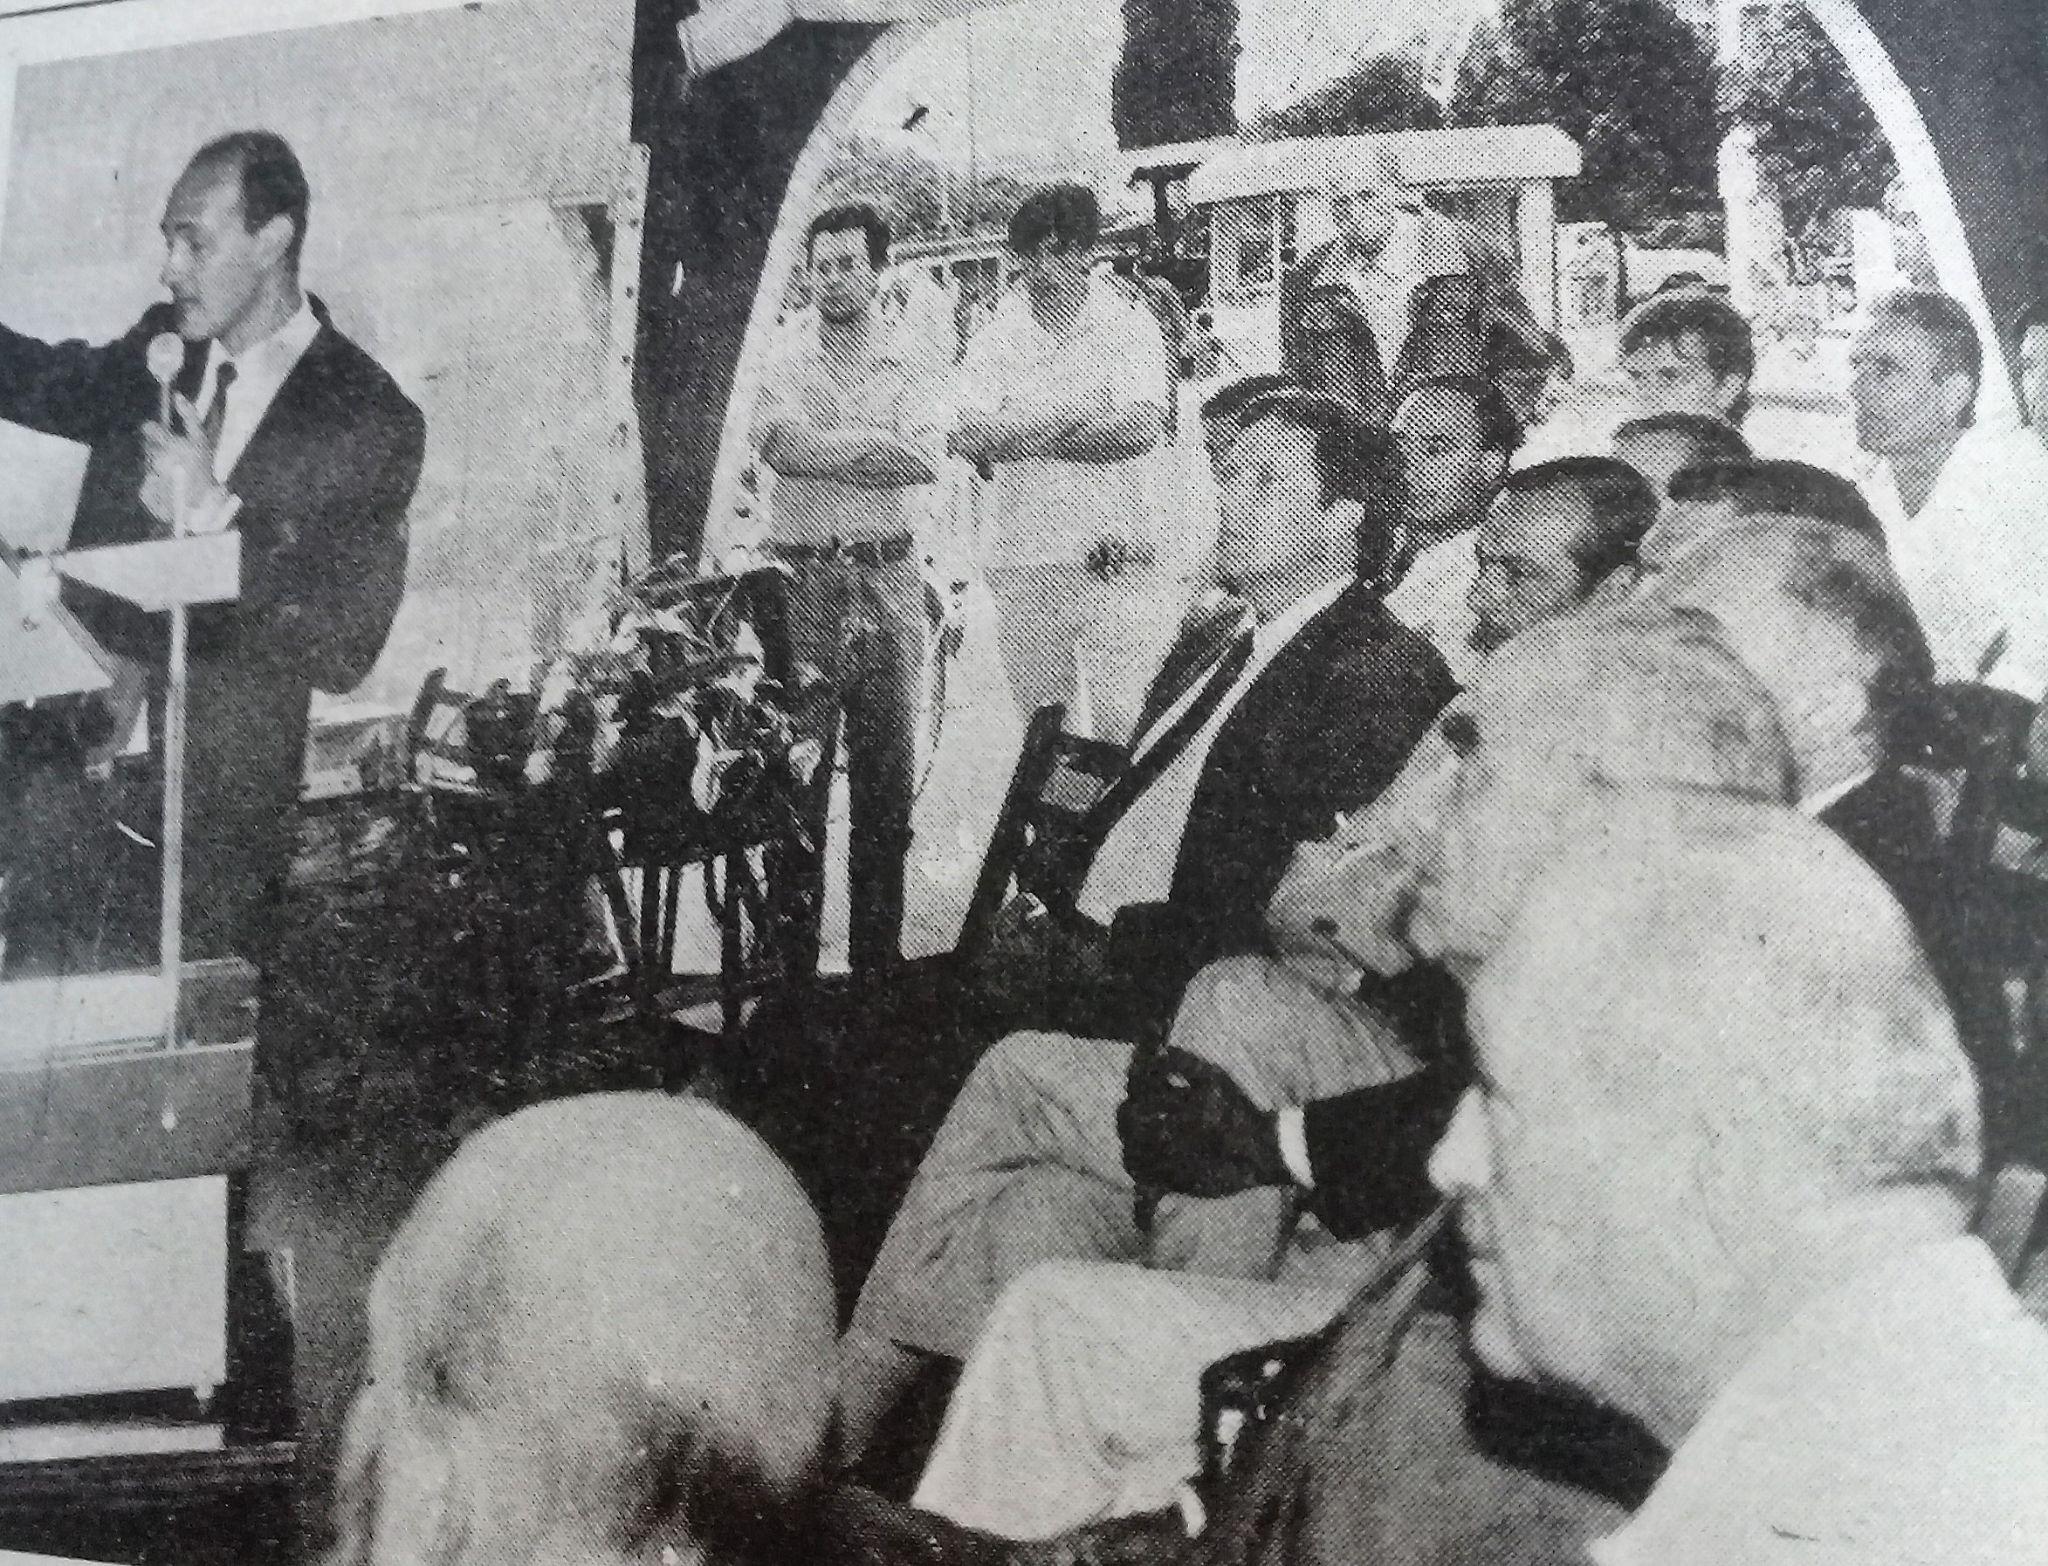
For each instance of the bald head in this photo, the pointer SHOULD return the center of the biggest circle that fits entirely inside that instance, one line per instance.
(601, 1333)
(1725, 1064)
(1562, 714)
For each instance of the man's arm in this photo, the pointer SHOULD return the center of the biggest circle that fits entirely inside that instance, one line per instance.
(1117, 436)
(75, 389)
(869, 459)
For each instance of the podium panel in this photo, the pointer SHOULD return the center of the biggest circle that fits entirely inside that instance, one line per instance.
(114, 1289)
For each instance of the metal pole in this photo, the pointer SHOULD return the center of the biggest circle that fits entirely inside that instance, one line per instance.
(170, 920)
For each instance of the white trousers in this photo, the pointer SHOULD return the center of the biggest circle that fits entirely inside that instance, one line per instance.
(1082, 1399)
(1028, 1167)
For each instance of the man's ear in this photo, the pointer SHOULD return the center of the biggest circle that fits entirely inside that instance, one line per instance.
(274, 239)
(1343, 525)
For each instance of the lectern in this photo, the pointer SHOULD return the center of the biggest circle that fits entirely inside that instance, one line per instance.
(124, 1104)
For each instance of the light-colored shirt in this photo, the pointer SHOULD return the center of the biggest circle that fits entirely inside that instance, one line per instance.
(1974, 559)
(1433, 600)
(1385, 290)
(1901, 1420)
(1135, 862)
(261, 369)
(1113, 358)
(889, 383)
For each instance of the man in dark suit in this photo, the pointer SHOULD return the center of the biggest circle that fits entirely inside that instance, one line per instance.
(1330, 697)
(283, 430)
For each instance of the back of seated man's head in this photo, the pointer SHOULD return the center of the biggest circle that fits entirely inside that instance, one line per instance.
(1819, 616)
(1643, 695)
(1662, 445)
(601, 1336)
(1223, 409)
(1457, 435)
(1715, 495)
(1356, 474)
(1689, 352)
(1720, 1080)
(1554, 533)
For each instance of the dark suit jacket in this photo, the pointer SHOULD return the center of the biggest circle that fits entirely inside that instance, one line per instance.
(1324, 727)
(324, 484)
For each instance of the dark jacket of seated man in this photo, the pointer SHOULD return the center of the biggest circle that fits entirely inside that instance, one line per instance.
(1323, 728)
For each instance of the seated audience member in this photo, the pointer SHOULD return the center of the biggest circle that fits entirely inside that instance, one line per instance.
(1820, 618)
(1703, 500)
(1080, 1399)
(1686, 352)
(1718, 1174)
(1328, 704)
(602, 1335)
(1960, 503)
(1456, 436)
(1222, 410)
(1554, 534)
(1661, 445)
(1353, 886)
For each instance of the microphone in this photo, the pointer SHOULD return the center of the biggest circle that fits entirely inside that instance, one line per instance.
(166, 359)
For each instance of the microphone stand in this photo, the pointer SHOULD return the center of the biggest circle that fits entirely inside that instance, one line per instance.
(171, 898)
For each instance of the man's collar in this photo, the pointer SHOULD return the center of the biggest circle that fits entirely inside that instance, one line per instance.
(1823, 799)
(291, 339)
(1289, 622)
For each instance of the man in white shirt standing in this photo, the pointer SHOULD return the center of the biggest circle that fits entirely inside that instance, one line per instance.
(1760, 1251)
(1061, 394)
(1962, 504)
(849, 425)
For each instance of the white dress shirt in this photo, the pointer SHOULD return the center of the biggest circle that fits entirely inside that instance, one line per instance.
(1974, 558)
(1135, 863)
(1901, 1420)
(261, 370)
(1434, 601)
(1114, 357)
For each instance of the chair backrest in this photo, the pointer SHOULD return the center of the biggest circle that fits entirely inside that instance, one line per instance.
(2014, 1214)
(1043, 843)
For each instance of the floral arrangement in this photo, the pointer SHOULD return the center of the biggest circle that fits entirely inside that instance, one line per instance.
(663, 694)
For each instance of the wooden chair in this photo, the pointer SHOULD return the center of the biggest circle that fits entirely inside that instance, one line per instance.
(1048, 828)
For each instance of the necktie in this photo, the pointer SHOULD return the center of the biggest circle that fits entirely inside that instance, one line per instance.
(217, 410)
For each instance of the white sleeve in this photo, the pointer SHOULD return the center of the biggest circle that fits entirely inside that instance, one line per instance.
(1138, 359)
(980, 388)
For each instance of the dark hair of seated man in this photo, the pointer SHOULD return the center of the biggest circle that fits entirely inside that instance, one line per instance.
(1780, 488)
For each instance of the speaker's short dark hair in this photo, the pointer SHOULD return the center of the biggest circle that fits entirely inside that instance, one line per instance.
(1709, 440)
(1619, 505)
(1780, 488)
(851, 216)
(273, 183)
(1957, 347)
(1723, 332)
(1067, 215)
(1499, 429)
(1354, 461)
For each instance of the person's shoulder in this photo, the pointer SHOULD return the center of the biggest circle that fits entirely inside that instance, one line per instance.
(1369, 645)
(354, 374)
